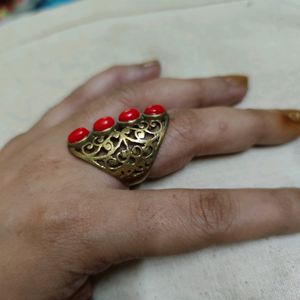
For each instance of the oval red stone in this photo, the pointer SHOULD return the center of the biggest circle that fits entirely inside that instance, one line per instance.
(78, 135)
(155, 109)
(129, 115)
(104, 123)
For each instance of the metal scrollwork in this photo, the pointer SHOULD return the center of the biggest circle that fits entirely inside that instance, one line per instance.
(126, 151)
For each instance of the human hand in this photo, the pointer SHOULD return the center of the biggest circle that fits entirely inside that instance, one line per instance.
(62, 220)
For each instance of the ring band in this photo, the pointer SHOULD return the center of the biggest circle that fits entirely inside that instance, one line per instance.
(126, 149)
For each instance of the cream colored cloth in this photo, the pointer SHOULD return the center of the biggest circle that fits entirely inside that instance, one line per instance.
(43, 57)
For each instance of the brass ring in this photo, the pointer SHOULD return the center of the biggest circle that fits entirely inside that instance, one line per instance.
(126, 149)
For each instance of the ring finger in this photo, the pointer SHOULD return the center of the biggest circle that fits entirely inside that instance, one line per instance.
(221, 130)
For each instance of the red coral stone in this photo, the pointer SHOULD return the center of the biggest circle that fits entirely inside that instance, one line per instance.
(78, 135)
(104, 123)
(129, 115)
(155, 109)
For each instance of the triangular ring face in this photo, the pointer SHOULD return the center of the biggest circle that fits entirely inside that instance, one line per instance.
(126, 151)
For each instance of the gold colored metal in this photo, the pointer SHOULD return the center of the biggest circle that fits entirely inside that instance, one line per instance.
(126, 151)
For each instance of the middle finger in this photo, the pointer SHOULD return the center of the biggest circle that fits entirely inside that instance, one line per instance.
(171, 93)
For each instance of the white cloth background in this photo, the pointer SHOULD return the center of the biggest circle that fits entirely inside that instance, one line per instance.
(43, 57)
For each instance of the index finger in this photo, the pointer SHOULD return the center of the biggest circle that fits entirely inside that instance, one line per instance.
(175, 221)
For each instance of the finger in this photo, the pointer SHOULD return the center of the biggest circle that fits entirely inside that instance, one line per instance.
(98, 86)
(174, 221)
(178, 93)
(221, 130)
(171, 93)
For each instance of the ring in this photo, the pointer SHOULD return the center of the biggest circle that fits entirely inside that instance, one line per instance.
(125, 149)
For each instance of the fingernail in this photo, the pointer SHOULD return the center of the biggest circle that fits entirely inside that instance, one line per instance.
(150, 64)
(293, 115)
(237, 80)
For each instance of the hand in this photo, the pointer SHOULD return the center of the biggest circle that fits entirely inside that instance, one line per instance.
(62, 220)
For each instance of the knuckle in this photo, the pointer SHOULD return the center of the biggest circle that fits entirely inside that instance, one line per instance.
(148, 217)
(126, 95)
(211, 214)
(47, 119)
(115, 75)
(220, 121)
(181, 125)
(221, 124)
(287, 205)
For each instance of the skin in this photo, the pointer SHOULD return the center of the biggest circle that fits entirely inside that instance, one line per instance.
(62, 220)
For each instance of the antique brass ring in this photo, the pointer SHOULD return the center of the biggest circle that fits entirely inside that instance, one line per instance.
(125, 149)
